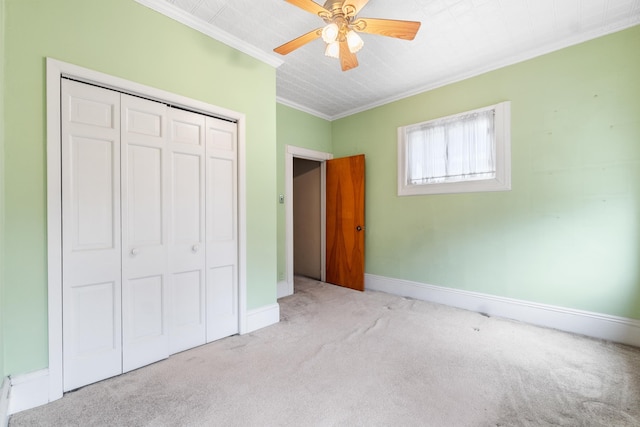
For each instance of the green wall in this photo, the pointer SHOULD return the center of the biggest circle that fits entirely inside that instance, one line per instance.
(568, 233)
(124, 39)
(301, 130)
(2, 229)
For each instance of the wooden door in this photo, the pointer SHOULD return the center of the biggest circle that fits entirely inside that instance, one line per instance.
(345, 222)
(90, 119)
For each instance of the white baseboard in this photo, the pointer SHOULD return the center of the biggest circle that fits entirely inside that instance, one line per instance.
(596, 325)
(263, 317)
(5, 389)
(28, 391)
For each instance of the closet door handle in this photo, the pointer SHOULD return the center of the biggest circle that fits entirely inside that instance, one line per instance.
(135, 251)
(195, 248)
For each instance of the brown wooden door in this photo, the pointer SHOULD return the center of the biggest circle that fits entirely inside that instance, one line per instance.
(345, 222)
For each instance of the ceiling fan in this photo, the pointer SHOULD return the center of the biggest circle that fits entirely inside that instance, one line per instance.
(342, 28)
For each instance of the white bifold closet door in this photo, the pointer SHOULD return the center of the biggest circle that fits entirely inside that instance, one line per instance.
(91, 246)
(145, 232)
(222, 229)
(187, 249)
(150, 194)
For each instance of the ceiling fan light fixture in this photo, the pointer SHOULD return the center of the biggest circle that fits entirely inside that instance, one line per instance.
(341, 25)
(330, 33)
(354, 41)
(333, 50)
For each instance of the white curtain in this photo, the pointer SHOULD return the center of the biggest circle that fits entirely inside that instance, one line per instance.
(459, 148)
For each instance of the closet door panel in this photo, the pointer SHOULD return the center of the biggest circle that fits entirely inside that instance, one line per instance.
(187, 231)
(222, 302)
(222, 229)
(91, 254)
(93, 198)
(187, 199)
(145, 225)
(144, 198)
(94, 320)
(146, 308)
(187, 298)
(220, 200)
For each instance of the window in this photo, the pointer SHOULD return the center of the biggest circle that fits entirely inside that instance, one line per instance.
(466, 152)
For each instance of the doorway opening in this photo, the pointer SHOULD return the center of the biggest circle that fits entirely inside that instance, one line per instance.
(307, 238)
(318, 158)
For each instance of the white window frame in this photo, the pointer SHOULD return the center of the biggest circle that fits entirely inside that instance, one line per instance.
(502, 180)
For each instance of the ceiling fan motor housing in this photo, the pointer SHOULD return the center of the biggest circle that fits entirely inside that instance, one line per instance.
(337, 16)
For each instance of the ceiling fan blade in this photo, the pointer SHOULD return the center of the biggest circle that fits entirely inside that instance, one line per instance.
(348, 60)
(310, 6)
(352, 7)
(298, 42)
(388, 27)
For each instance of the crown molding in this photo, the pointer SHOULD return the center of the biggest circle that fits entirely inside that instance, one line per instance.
(204, 27)
(511, 60)
(302, 108)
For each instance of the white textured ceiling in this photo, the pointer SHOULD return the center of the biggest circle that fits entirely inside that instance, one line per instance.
(458, 39)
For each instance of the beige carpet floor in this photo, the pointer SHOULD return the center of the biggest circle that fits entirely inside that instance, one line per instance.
(344, 358)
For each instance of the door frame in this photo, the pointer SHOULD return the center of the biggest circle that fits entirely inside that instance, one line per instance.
(291, 152)
(55, 70)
